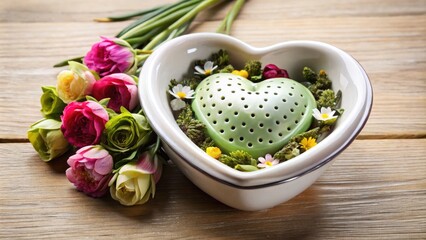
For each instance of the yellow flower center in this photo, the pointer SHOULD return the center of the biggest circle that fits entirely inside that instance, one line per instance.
(324, 115)
(181, 94)
(213, 152)
(268, 163)
(207, 72)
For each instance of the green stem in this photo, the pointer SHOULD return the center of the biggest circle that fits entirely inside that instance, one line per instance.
(129, 15)
(184, 19)
(65, 62)
(171, 14)
(225, 26)
(139, 41)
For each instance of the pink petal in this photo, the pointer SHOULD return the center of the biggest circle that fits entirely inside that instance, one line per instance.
(104, 165)
(146, 164)
(96, 153)
(70, 175)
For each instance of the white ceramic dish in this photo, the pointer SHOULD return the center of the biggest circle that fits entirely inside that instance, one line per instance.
(267, 187)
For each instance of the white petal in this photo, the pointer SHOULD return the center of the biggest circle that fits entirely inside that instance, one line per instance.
(173, 94)
(208, 65)
(177, 104)
(316, 113)
(199, 70)
(186, 89)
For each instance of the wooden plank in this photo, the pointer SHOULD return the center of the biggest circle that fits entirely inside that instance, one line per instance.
(80, 10)
(397, 73)
(371, 192)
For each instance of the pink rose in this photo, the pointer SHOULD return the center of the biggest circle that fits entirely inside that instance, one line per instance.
(111, 55)
(90, 170)
(272, 71)
(120, 88)
(83, 123)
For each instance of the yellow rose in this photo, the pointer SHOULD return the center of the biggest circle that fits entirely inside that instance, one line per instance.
(76, 83)
(135, 182)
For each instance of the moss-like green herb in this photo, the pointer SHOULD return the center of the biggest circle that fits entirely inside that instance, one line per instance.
(238, 157)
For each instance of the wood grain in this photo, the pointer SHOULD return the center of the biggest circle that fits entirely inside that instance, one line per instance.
(396, 73)
(369, 192)
(376, 189)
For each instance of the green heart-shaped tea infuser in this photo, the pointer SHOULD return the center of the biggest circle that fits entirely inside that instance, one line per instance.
(259, 118)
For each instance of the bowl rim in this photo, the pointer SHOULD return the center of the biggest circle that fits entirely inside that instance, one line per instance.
(221, 172)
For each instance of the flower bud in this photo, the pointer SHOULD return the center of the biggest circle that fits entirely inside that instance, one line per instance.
(83, 123)
(135, 182)
(51, 105)
(120, 88)
(76, 83)
(90, 170)
(126, 132)
(272, 71)
(111, 55)
(47, 139)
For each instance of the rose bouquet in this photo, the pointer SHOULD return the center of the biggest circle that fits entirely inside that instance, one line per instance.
(94, 109)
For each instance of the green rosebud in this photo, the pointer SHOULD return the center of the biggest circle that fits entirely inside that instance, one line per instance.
(51, 105)
(47, 139)
(126, 132)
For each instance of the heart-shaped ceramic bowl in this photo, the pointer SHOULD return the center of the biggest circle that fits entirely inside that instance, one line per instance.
(267, 187)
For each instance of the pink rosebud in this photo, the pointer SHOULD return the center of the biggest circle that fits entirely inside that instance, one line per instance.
(83, 123)
(111, 55)
(90, 170)
(120, 88)
(272, 71)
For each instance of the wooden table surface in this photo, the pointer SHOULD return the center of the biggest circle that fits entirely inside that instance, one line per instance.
(376, 188)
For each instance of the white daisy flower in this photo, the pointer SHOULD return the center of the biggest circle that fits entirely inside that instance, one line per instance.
(325, 114)
(208, 68)
(267, 161)
(180, 92)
